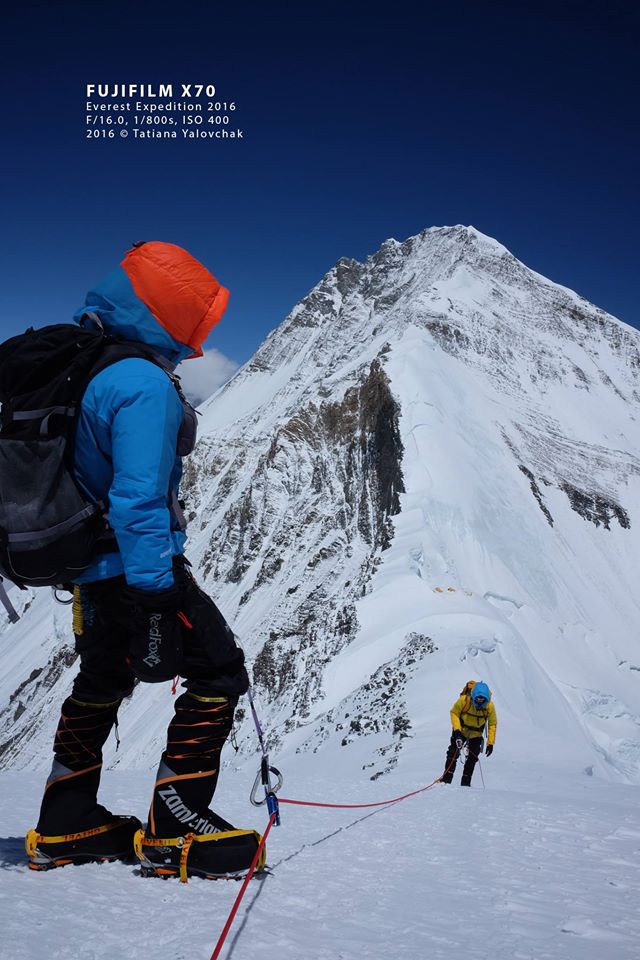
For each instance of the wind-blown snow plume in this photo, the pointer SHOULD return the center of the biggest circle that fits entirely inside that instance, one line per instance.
(202, 378)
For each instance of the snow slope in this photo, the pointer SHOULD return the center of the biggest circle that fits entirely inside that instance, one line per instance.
(430, 472)
(531, 868)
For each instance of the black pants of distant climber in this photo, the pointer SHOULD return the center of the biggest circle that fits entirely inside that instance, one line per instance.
(475, 745)
(212, 667)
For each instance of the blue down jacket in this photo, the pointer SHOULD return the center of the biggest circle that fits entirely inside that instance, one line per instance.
(125, 452)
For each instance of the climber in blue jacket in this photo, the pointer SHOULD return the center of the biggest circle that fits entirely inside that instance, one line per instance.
(138, 613)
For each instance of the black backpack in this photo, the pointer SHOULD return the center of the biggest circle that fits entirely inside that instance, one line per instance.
(50, 529)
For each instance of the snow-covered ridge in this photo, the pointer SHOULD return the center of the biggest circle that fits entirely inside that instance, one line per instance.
(434, 458)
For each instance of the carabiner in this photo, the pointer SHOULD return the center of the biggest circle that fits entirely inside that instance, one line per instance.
(263, 779)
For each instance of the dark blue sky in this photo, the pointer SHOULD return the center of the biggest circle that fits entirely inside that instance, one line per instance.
(362, 122)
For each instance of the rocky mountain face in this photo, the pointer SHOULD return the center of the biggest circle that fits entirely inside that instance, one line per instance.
(430, 471)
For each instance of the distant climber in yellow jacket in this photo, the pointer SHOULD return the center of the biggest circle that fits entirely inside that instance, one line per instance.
(472, 712)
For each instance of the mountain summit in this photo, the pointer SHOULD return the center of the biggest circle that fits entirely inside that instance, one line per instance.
(429, 472)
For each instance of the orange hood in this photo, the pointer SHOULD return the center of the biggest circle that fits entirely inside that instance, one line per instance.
(185, 299)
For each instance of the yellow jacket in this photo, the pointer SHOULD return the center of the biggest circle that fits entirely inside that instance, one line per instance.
(471, 721)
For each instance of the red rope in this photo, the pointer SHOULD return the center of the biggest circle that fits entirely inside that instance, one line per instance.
(380, 803)
(225, 930)
(352, 806)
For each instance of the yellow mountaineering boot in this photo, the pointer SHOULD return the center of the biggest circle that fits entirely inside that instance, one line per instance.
(181, 841)
(184, 837)
(73, 827)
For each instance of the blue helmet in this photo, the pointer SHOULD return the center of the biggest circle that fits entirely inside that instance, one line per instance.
(480, 692)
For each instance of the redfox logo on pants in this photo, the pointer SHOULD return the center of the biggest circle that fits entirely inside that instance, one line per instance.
(152, 658)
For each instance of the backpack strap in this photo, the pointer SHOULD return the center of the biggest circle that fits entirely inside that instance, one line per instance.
(59, 528)
(44, 415)
(465, 711)
(12, 613)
